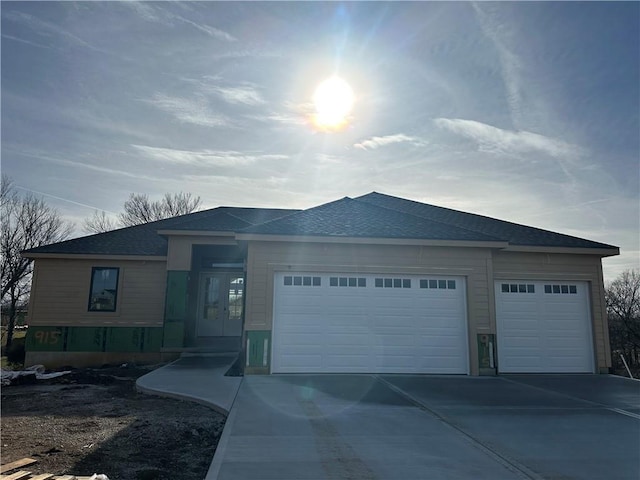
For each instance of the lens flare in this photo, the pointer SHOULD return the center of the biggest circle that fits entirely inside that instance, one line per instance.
(333, 100)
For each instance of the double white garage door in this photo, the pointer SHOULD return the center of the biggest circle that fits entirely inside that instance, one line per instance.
(347, 323)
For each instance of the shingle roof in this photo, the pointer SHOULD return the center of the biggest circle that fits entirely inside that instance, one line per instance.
(144, 239)
(374, 215)
(352, 218)
(228, 219)
(514, 233)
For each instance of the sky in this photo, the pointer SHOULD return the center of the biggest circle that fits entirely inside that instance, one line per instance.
(527, 112)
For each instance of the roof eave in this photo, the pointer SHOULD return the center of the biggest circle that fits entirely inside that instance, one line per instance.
(602, 252)
(201, 233)
(95, 256)
(369, 240)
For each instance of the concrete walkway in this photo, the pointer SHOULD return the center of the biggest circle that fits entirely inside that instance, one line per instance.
(197, 378)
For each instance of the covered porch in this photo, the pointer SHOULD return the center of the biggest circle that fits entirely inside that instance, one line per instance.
(204, 305)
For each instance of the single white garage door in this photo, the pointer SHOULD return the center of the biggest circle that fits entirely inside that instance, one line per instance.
(346, 323)
(543, 327)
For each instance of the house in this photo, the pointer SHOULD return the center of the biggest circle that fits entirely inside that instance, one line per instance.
(368, 284)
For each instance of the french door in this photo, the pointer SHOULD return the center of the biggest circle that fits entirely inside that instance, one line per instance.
(220, 305)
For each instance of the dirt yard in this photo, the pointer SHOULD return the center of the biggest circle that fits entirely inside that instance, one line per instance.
(93, 421)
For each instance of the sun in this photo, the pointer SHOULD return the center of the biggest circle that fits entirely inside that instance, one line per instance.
(333, 100)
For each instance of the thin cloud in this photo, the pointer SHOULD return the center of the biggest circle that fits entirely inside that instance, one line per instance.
(156, 14)
(28, 42)
(377, 142)
(246, 95)
(87, 166)
(188, 111)
(247, 53)
(291, 120)
(220, 158)
(37, 192)
(45, 29)
(495, 139)
(209, 30)
(511, 66)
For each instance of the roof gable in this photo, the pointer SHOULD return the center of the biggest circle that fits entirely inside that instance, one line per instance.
(352, 218)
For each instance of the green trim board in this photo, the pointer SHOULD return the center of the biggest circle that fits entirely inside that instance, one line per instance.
(258, 345)
(94, 339)
(176, 305)
(486, 350)
(176, 295)
(173, 334)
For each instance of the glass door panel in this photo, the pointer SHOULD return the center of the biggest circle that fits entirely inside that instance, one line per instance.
(235, 303)
(211, 307)
(236, 291)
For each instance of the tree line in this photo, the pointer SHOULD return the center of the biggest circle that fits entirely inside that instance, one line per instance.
(139, 209)
(623, 312)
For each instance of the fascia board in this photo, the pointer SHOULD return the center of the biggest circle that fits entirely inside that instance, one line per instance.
(199, 233)
(86, 256)
(602, 252)
(369, 240)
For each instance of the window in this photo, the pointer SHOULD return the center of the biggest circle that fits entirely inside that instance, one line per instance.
(104, 289)
(561, 289)
(302, 281)
(518, 288)
(442, 284)
(347, 282)
(393, 282)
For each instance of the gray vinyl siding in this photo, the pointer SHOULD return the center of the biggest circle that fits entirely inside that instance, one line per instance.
(60, 293)
(567, 267)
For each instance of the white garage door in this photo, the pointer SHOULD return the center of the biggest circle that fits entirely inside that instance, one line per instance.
(346, 323)
(543, 327)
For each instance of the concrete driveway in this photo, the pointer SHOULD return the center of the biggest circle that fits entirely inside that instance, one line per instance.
(432, 427)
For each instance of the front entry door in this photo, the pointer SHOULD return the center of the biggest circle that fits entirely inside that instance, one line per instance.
(220, 305)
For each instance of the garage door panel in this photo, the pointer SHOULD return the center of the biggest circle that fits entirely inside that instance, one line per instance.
(394, 346)
(373, 329)
(427, 343)
(545, 328)
(351, 339)
(355, 320)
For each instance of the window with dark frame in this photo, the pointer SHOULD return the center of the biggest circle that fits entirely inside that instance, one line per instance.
(438, 284)
(103, 293)
(300, 281)
(517, 288)
(561, 289)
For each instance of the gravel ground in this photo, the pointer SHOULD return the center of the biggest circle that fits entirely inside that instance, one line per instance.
(93, 421)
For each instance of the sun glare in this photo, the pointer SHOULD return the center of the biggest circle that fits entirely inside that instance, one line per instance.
(333, 100)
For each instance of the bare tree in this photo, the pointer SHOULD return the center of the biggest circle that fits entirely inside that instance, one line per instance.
(99, 222)
(139, 209)
(623, 312)
(27, 222)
